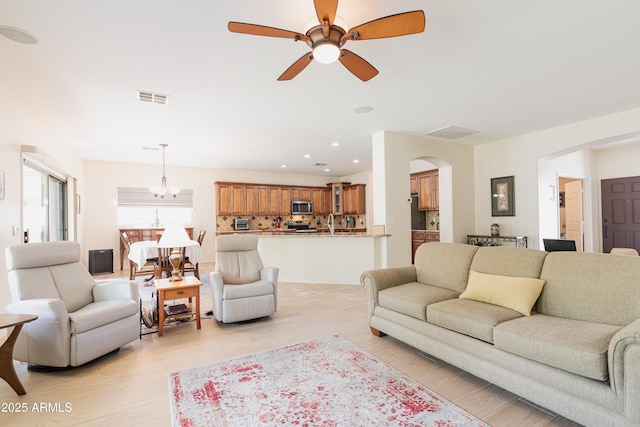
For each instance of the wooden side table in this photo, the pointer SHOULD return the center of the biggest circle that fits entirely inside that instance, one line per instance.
(7, 372)
(188, 287)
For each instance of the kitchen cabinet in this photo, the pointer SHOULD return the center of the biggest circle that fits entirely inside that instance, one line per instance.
(251, 200)
(354, 199)
(413, 184)
(275, 201)
(300, 193)
(428, 191)
(337, 198)
(318, 200)
(231, 199)
(285, 201)
(419, 237)
(237, 199)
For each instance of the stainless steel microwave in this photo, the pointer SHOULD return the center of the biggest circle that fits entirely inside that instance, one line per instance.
(301, 207)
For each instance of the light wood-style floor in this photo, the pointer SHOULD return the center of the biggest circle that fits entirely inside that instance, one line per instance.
(130, 388)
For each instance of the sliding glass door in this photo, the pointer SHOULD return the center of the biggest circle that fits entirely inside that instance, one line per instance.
(44, 205)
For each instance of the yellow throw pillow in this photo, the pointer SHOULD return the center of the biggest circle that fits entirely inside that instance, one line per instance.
(516, 293)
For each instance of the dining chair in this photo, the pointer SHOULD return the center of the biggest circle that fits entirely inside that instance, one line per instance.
(187, 265)
(149, 268)
(162, 263)
(156, 235)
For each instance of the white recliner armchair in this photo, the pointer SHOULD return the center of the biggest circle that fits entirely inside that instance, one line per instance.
(79, 319)
(242, 288)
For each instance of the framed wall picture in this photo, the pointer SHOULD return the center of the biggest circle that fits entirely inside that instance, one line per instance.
(1, 185)
(503, 201)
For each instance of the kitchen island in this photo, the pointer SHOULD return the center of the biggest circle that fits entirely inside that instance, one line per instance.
(319, 257)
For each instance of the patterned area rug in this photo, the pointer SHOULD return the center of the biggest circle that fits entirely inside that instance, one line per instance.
(323, 382)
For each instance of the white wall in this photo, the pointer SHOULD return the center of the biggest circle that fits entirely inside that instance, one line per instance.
(519, 156)
(392, 155)
(21, 125)
(574, 165)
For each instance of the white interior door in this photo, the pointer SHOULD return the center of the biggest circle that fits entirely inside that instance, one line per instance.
(573, 204)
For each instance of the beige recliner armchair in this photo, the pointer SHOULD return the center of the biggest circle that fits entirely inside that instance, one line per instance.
(242, 288)
(79, 319)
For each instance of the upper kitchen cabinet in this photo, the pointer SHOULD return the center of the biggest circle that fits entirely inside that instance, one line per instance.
(300, 193)
(319, 198)
(231, 199)
(285, 201)
(428, 190)
(275, 201)
(257, 200)
(337, 198)
(354, 199)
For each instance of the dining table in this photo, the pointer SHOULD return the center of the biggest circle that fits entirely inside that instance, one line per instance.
(147, 249)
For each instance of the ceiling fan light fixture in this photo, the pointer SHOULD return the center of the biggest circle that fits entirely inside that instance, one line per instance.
(326, 52)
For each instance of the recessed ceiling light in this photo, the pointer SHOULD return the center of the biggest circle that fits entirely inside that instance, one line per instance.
(335, 144)
(327, 170)
(307, 156)
(363, 109)
(356, 161)
(283, 166)
(17, 35)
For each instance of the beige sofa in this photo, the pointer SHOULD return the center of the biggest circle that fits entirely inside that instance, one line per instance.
(577, 353)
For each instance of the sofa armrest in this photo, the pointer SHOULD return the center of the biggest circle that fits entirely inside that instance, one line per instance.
(375, 281)
(116, 289)
(624, 368)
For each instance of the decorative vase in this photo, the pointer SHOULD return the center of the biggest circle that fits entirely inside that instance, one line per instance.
(495, 230)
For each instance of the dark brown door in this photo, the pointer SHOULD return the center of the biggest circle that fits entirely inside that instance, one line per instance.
(621, 213)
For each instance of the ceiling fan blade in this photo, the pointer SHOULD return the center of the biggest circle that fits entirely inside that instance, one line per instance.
(297, 67)
(401, 24)
(261, 30)
(358, 66)
(326, 10)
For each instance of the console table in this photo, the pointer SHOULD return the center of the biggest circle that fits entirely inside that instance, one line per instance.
(139, 234)
(482, 240)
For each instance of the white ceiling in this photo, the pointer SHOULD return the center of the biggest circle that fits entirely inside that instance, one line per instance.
(500, 67)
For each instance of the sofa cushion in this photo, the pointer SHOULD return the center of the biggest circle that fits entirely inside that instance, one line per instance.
(260, 287)
(101, 313)
(444, 264)
(573, 345)
(413, 298)
(516, 293)
(509, 261)
(469, 317)
(577, 283)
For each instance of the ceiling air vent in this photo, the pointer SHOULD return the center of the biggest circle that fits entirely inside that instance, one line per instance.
(451, 132)
(154, 98)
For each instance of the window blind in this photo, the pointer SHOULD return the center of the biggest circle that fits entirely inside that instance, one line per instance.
(130, 196)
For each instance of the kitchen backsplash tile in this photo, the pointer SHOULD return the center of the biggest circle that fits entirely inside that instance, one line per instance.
(225, 223)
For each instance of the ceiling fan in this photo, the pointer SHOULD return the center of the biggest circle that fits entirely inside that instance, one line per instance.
(326, 38)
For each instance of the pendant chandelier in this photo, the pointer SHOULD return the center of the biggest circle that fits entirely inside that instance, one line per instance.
(163, 190)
